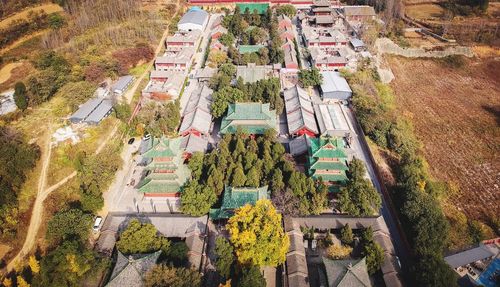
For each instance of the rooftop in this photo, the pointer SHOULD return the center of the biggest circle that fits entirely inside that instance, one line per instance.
(100, 112)
(252, 73)
(333, 82)
(129, 270)
(469, 256)
(260, 7)
(192, 143)
(235, 197)
(347, 273)
(332, 119)
(122, 83)
(194, 16)
(358, 10)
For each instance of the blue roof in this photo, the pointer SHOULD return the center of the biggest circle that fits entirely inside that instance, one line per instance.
(487, 278)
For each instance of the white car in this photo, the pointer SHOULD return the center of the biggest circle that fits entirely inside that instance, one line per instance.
(97, 224)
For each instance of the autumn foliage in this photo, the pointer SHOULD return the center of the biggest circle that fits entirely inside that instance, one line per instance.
(257, 235)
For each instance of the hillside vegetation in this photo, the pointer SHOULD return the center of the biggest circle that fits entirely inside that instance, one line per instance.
(93, 41)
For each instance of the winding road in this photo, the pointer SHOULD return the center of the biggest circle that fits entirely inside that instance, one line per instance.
(43, 193)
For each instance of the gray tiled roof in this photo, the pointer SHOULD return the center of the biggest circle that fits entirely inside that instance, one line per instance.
(192, 143)
(332, 82)
(86, 109)
(347, 273)
(299, 110)
(198, 119)
(100, 112)
(122, 83)
(130, 270)
(332, 119)
(194, 16)
(468, 256)
(298, 145)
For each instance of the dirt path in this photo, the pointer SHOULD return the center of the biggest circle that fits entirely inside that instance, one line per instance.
(36, 214)
(22, 40)
(42, 194)
(5, 72)
(37, 207)
(130, 93)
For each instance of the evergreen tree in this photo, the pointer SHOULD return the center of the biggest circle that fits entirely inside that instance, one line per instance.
(20, 97)
(239, 178)
(225, 257)
(346, 235)
(277, 183)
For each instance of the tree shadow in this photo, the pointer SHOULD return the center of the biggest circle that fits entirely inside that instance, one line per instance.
(494, 110)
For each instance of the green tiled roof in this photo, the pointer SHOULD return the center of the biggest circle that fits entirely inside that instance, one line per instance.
(235, 197)
(160, 182)
(318, 148)
(163, 147)
(149, 185)
(153, 165)
(328, 148)
(244, 49)
(260, 7)
(329, 165)
(254, 118)
(342, 177)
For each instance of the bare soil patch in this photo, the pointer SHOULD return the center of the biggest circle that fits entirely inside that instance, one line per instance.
(456, 114)
(48, 8)
(425, 11)
(5, 71)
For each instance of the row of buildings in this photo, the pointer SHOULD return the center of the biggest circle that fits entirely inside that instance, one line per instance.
(327, 33)
(171, 69)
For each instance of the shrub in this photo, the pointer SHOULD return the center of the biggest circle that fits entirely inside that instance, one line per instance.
(338, 252)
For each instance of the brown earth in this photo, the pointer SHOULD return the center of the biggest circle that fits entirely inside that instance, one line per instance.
(456, 114)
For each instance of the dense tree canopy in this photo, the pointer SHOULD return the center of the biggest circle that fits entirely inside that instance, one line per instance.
(166, 276)
(308, 78)
(17, 157)
(287, 9)
(141, 238)
(257, 235)
(359, 197)
(20, 96)
(251, 277)
(197, 199)
(66, 265)
(160, 119)
(71, 224)
(225, 257)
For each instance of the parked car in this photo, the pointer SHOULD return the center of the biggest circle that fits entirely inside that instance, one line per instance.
(131, 140)
(146, 137)
(97, 224)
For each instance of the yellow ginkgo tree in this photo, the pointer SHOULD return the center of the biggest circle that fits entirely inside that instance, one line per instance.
(257, 235)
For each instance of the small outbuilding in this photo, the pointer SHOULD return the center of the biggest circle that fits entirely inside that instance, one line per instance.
(194, 19)
(122, 84)
(334, 87)
(93, 111)
(357, 44)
